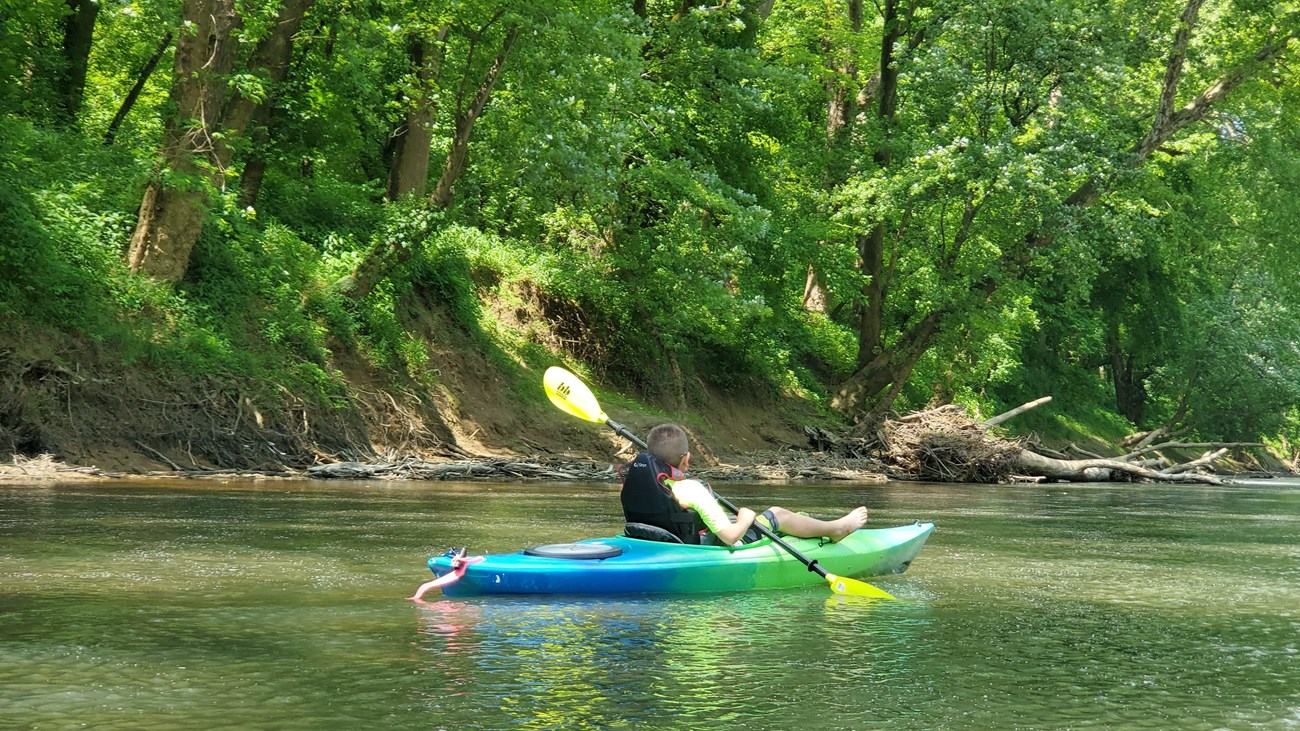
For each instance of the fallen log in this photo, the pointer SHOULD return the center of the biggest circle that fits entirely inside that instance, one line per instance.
(1090, 455)
(1189, 445)
(1092, 469)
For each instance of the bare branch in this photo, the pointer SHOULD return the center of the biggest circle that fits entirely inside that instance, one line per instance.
(1205, 459)
(1015, 412)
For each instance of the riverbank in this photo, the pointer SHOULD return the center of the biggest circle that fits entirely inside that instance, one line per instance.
(772, 466)
(64, 395)
(758, 467)
(71, 409)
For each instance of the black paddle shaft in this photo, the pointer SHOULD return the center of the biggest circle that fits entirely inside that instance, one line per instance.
(622, 431)
(762, 529)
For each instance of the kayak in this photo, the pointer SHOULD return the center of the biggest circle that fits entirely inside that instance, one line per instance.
(626, 565)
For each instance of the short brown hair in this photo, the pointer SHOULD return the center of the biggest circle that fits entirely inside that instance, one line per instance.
(668, 442)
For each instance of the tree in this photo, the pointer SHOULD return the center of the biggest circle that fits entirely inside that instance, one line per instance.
(409, 172)
(174, 205)
(197, 147)
(78, 30)
(472, 93)
(1007, 112)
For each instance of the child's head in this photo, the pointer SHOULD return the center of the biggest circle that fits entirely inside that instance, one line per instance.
(668, 443)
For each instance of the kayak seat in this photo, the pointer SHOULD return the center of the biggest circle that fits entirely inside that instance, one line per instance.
(647, 532)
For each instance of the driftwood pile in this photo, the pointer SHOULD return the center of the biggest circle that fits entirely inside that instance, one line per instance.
(44, 467)
(947, 445)
(487, 469)
(940, 445)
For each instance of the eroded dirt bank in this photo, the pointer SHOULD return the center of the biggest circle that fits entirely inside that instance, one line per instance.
(69, 409)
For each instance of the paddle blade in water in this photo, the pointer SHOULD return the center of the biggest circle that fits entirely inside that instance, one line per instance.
(571, 395)
(853, 587)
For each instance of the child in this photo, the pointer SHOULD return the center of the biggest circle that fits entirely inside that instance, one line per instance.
(656, 492)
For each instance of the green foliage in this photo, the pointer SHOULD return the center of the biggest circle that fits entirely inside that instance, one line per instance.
(30, 34)
(647, 196)
(60, 260)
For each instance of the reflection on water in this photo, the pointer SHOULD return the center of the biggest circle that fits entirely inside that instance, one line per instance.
(689, 662)
(268, 605)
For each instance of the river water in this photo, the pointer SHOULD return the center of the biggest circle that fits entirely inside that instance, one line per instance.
(280, 605)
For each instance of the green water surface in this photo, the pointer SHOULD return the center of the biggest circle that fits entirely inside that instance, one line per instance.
(204, 605)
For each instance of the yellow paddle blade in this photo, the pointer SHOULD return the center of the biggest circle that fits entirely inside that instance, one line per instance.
(571, 395)
(853, 587)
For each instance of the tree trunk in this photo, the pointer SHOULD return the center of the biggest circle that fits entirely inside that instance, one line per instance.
(384, 256)
(254, 172)
(272, 59)
(169, 223)
(78, 31)
(893, 366)
(1015, 412)
(871, 254)
(871, 245)
(1130, 388)
(409, 173)
(814, 292)
(458, 155)
(1129, 381)
(140, 80)
(845, 92)
(171, 216)
(173, 209)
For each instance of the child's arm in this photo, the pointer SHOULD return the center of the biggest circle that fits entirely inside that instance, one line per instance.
(732, 534)
(694, 495)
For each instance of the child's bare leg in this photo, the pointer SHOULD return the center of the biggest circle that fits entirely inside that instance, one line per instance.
(803, 526)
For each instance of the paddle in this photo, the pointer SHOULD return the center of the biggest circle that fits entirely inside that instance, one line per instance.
(571, 395)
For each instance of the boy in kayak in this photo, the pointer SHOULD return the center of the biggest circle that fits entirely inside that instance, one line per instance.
(657, 492)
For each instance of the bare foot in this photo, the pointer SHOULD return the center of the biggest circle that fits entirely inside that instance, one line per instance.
(849, 523)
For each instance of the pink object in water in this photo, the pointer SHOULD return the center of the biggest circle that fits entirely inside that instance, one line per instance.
(458, 565)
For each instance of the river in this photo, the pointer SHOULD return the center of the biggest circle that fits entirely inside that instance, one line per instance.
(280, 605)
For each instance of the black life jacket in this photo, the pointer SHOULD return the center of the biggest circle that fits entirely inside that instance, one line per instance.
(647, 499)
